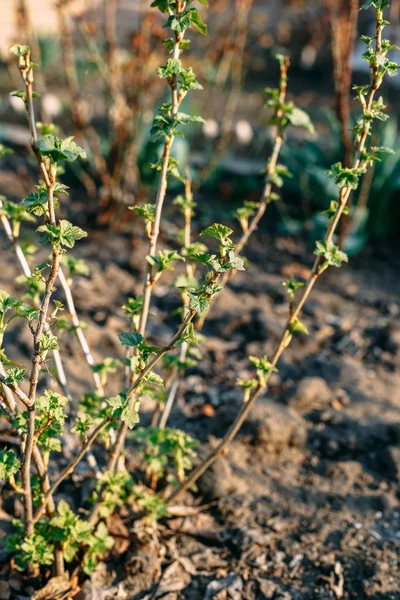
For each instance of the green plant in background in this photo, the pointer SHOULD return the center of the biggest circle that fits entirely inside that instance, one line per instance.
(375, 212)
(50, 531)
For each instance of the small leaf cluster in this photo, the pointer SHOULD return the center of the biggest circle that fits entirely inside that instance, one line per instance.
(14, 376)
(121, 410)
(51, 415)
(115, 489)
(277, 178)
(243, 213)
(378, 4)
(333, 256)
(75, 266)
(36, 549)
(164, 448)
(64, 234)
(292, 285)
(186, 18)
(264, 368)
(163, 261)
(16, 213)
(166, 125)
(70, 531)
(133, 309)
(108, 366)
(185, 205)
(153, 504)
(333, 208)
(60, 150)
(37, 202)
(65, 529)
(345, 177)
(9, 464)
(286, 114)
(148, 212)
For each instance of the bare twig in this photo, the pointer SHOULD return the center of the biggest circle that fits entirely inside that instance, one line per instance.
(344, 18)
(174, 380)
(15, 389)
(233, 61)
(79, 331)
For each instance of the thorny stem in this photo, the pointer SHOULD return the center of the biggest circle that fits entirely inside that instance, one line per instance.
(345, 193)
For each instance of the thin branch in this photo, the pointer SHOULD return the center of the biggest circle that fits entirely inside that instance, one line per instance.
(253, 225)
(234, 64)
(71, 467)
(61, 377)
(38, 356)
(266, 194)
(176, 99)
(121, 436)
(15, 389)
(174, 381)
(162, 190)
(79, 331)
(11, 410)
(123, 429)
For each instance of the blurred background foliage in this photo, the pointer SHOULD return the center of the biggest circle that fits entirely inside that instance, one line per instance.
(98, 80)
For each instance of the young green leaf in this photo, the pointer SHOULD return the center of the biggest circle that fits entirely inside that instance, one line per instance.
(217, 231)
(9, 464)
(60, 150)
(130, 340)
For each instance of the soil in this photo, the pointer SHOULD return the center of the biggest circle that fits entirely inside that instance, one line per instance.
(306, 504)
